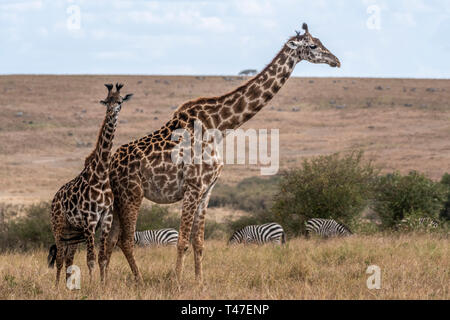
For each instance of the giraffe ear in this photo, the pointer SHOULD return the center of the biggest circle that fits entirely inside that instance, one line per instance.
(293, 44)
(103, 102)
(127, 97)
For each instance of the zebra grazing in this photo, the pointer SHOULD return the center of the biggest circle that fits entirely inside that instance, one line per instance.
(428, 222)
(259, 234)
(327, 228)
(425, 222)
(161, 237)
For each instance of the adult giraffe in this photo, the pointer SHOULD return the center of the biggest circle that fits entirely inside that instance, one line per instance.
(144, 168)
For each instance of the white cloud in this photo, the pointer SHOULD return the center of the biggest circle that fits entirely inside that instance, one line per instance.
(214, 24)
(182, 18)
(21, 6)
(406, 19)
(114, 55)
(10, 17)
(122, 4)
(254, 7)
(42, 31)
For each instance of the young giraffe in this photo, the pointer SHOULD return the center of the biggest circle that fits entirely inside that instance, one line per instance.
(85, 203)
(144, 168)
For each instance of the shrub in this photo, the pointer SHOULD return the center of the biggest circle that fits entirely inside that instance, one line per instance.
(399, 197)
(156, 217)
(412, 223)
(336, 187)
(31, 231)
(363, 227)
(445, 213)
(253, 194)
(215, 230)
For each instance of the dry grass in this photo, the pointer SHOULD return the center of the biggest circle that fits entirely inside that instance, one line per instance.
(413, 267)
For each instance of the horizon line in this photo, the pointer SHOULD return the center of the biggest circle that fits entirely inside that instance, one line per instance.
(206, 75)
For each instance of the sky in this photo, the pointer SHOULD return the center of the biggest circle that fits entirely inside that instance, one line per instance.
(372, 38)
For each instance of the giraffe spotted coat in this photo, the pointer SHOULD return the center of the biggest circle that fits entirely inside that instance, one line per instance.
(85, 203)
(144, 167)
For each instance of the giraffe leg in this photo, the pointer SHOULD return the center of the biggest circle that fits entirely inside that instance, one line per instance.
(111, 242)
(60, 248)
(128, 216)
(69, 256)
(57, 220)
(89, 234)
(102, 257)
(198, 244)
(198, 233)
(189, 208)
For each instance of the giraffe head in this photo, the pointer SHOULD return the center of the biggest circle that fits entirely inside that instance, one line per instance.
(114, 100)
(306, 47)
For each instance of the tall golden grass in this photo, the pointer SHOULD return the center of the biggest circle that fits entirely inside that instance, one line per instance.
(414, 266)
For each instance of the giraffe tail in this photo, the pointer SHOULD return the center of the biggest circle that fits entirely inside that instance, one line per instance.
(51, 258)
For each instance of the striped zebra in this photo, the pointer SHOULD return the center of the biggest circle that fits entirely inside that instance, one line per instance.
(428, 222)
(421, 222)
(161, 237)
(327, 228)
(259, 234)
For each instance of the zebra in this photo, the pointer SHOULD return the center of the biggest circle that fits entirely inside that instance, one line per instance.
(164, 237)
(327, 228)
(259, 234)
(428, 222)
(424, 222)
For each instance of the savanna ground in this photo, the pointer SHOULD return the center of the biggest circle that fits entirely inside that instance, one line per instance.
(412, 267)
(48, 125)
(48, 122)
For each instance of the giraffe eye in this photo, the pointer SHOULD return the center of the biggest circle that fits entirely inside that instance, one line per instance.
(313, 47)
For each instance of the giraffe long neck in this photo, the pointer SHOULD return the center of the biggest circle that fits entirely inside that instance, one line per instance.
(232, 110)
(100, 156)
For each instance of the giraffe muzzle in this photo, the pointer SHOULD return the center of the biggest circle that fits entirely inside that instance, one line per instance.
(335, 63)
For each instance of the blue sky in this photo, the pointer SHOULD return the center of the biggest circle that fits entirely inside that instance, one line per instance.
(372, 38)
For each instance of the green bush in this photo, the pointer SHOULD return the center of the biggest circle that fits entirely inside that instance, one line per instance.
(363, 227)
(412, 223)
(215, 230)
(398, 197)
(31, 231)
(445, 213)
(253, 194)
(336, 187)
(156, 217)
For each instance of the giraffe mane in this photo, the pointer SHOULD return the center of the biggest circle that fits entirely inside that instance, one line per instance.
(200, 100)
